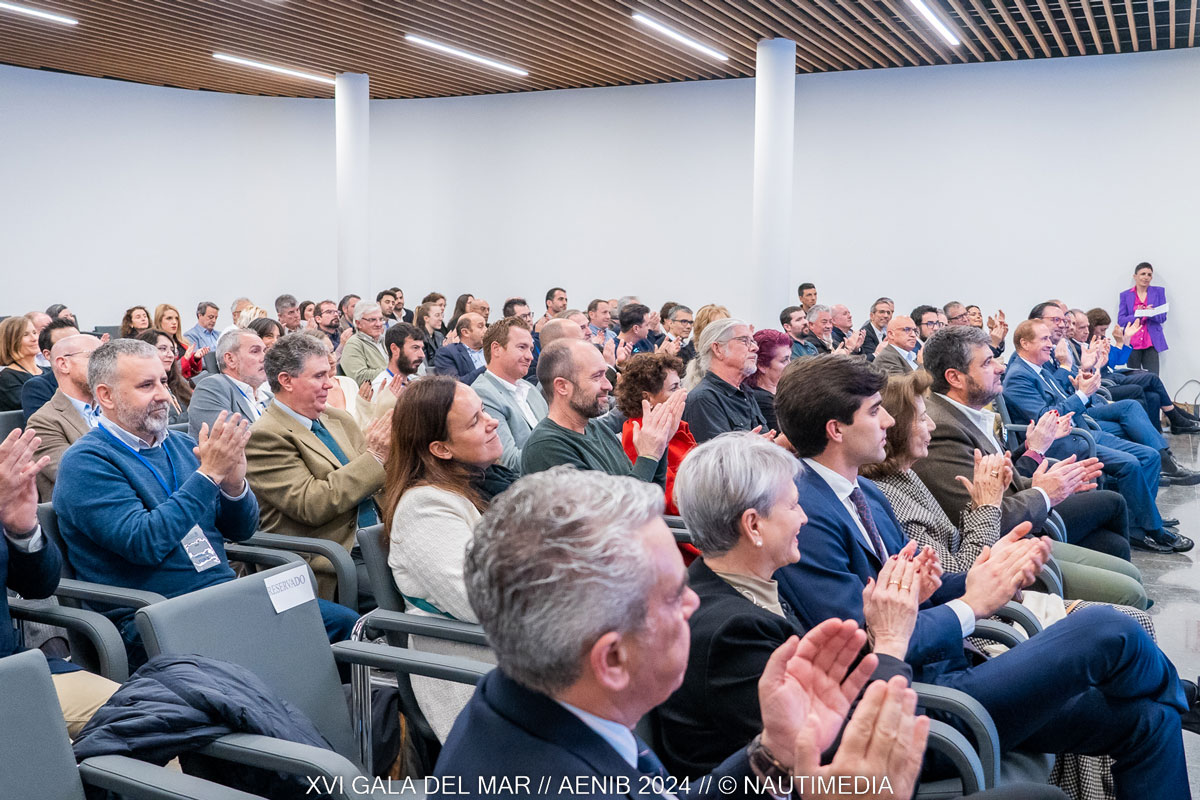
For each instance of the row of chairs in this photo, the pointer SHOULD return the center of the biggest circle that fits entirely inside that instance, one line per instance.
(291, 653)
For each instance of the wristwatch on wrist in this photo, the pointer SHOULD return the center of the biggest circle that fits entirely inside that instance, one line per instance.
(763, 763)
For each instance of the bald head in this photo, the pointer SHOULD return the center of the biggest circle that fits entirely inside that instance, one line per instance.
(902, 332)
(40, 319)
(69, 359)
(558, 329)
(843, 320)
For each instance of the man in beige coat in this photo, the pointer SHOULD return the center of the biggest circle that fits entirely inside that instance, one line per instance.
(70, 413)
(314, 473)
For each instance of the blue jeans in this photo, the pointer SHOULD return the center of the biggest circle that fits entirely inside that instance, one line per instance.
(1127, 419)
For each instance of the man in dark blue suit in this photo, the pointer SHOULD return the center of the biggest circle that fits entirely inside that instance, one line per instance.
(583, 595)
(1032, 386)
(1092, 683)
(38, 390)
(464, 359)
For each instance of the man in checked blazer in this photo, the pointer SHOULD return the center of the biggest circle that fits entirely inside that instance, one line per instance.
(1094, 682)
(311, 468)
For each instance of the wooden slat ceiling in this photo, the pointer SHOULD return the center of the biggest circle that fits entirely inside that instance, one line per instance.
(561, 43)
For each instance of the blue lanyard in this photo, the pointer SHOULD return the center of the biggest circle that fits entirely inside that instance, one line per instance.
(157, 475)
(249, 401)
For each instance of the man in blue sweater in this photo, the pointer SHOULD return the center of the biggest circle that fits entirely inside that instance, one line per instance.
(30, 565)
(146, 508)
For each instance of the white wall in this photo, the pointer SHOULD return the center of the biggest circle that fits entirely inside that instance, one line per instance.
(114, 194)
(1000, 184)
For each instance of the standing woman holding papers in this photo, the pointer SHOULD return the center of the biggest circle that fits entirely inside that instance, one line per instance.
(1143, 302)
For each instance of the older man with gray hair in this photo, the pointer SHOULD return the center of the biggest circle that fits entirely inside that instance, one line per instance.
(240, 354)
(363, 355)
(584, 598)
(313, 470)
(820, 329)
(726, 355)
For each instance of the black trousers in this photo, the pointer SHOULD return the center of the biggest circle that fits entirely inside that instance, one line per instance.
(1144, 359)
(1097, 520)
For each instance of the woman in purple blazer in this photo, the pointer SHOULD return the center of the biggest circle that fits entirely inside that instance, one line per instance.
(1148, 342)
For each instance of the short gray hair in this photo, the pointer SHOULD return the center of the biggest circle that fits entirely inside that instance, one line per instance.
(952, 347)
(880, 300)
(718, 331)
(231, 342)
(679, 309)
(285, 302)
(555, 564)
(722, 478)
(362, 309)
(290, 354)
(102, 364)
(233, 309)
(817, 309)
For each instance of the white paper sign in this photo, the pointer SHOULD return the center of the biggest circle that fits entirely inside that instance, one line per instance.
(1153, 312)
(290, 589)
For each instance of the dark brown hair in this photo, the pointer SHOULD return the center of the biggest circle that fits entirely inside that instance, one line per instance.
(815, 390)
(127, 329)
(900, 400)
(645, 372)
(180, 386)
(418, 420)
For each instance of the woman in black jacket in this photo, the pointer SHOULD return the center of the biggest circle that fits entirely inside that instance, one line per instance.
(738, 497)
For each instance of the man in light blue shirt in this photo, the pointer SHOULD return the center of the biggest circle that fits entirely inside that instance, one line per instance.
(204, 333)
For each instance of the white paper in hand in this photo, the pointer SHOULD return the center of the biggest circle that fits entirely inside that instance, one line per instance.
(290, 589)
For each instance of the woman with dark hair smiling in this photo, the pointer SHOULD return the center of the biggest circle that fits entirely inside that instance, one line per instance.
(268, 330)
(774, 354)
(179, 386)
(653, 378)
(441, 475)
(1143, 301)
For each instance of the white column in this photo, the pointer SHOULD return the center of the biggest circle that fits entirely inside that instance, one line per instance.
(774, 123)
(352, 99)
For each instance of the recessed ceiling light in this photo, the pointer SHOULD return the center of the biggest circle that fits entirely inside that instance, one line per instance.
(295, 73)
(454, 51)
(936, 22)
(679, 37)
(33, 12)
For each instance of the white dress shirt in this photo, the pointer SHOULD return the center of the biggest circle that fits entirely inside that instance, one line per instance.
(250, 396)
(985, 421)
(843, 488)
(520, 392)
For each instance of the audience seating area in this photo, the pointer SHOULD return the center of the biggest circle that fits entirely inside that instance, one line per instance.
(311, 502)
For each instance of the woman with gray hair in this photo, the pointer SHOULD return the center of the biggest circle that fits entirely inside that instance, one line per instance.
(738, 496)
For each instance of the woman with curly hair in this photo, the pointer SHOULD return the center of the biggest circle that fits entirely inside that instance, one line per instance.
(136, 321)
(652, 378)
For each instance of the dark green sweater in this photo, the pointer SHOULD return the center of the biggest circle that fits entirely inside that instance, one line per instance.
(550, 445)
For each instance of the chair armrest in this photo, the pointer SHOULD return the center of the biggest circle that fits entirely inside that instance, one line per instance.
(434, 627)
(1020, 615)
(260, 556)
(1051, 578)
(343, 564)
(999, 632)
(957, 748)
(413, 662)
(1087, 436)
(976, 719)
(1052, 529)
(92, 625)
(293, 758)
(117, 596)
(128, 777)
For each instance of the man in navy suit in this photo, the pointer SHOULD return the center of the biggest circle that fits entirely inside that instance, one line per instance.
(464, 359)
(1092, 683)
(583, 595)
(1032, 386)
